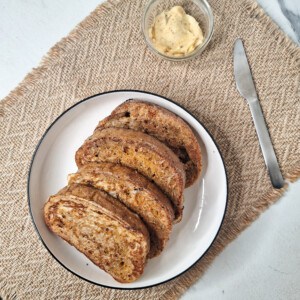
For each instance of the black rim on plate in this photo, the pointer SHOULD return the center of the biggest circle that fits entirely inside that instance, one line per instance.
(29, 176)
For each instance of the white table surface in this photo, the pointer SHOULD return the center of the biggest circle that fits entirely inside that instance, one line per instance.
(264, 261)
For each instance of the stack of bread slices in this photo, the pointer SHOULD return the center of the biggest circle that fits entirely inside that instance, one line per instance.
(120, 206)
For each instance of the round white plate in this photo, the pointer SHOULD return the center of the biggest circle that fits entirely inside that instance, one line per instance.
(205, 201)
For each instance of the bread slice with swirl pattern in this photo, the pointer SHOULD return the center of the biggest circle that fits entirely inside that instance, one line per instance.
(163, 125)
(103, 229)
(137, 193)
(141, 152)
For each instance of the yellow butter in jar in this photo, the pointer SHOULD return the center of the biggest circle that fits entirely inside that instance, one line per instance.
(175, 33)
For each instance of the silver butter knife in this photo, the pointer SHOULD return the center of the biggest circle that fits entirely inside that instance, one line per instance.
(246, 87)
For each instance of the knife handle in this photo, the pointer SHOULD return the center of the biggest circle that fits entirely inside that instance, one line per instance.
(266, 144)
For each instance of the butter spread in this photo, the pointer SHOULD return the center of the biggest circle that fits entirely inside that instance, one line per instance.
(175, 33)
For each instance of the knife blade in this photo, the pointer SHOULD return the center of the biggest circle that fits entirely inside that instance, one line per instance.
(245, 86)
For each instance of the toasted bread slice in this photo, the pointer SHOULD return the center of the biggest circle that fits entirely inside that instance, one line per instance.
(163, 125)
(141, 152)
(137, 193)
(109, 234)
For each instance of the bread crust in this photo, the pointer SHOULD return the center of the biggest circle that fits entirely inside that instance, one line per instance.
(137, 193)
(163, 125)
(109, 234)
(141, 152)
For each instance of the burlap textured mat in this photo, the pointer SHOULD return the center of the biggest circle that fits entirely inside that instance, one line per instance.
(106, 52)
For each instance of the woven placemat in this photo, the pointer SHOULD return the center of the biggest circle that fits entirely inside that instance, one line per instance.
(106, 52)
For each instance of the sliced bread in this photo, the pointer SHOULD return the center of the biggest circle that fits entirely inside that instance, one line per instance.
(137, 193)
(163, 125)
(141, 152)
(108, 233)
